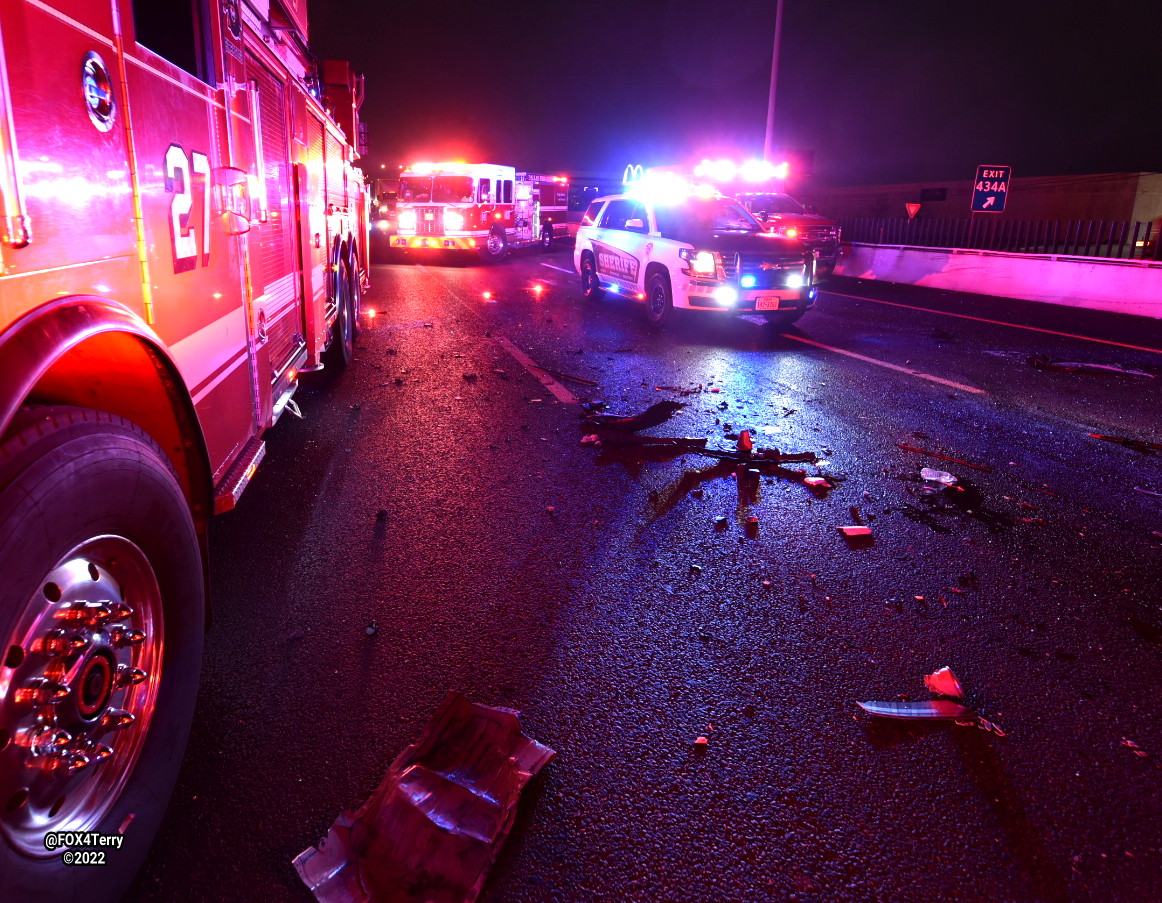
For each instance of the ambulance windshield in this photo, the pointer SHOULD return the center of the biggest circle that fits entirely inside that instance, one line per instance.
(704, 216)
(435, 189)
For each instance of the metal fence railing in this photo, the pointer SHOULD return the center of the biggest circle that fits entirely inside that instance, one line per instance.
(1118, 239)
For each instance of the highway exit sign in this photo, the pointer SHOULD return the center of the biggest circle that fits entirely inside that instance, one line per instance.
(991, 188)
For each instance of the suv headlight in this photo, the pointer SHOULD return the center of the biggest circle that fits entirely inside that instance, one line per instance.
(454, 220)
(705, 264)
(785, 230)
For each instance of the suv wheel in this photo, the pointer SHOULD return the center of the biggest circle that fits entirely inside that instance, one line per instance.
(659, 299)
(590, 287)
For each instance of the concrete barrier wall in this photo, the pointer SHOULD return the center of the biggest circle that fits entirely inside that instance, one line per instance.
(1119, 286)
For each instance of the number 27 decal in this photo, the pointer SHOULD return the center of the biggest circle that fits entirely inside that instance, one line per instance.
(187, 178)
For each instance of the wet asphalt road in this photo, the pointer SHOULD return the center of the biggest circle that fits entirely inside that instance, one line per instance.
(524, 569)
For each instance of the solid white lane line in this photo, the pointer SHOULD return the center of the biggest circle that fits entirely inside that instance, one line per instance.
(1067, 335)
(871, 360)
(561, 269)
(559, 391)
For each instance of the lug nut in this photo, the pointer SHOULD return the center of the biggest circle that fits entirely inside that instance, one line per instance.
(72, 763)
(41, 691)
(116, 719)
(127, 677)
(60, 642)
(48, 741)
(87, 613)
(127, 636)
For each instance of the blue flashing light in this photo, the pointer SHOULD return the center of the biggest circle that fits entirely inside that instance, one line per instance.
(747, 281)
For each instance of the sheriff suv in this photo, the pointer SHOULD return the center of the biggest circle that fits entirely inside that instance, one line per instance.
(785, 216)
(695, 252)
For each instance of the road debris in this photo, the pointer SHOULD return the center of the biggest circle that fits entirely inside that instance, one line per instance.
(1136, 444)
(932, 454)
(655, 415)
(937, 476)
(1042, 362)
(855, 530)
(434, 826)
(943, 683)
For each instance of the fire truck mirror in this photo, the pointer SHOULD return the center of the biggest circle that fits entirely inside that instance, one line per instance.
(234, 199)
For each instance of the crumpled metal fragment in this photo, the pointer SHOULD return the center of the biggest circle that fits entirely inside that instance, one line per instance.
(432, 829)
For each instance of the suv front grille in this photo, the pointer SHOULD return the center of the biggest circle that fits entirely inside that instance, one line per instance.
(768, 272)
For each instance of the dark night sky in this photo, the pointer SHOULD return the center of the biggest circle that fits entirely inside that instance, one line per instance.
(889, 91)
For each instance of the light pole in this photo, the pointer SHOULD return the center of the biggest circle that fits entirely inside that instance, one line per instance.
(768, 143)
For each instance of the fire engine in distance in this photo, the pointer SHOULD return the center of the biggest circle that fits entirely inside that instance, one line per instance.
(483, 207)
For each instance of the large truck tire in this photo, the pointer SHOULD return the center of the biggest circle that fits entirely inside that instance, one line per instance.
(341, 348)
(495, 247)
(102, 614)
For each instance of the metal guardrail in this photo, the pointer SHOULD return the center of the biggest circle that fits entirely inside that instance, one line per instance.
(1115, 239)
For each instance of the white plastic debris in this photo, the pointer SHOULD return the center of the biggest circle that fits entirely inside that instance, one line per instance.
(937, 476)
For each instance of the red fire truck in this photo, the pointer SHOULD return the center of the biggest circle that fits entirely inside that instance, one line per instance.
(482, 207)
(182, 235)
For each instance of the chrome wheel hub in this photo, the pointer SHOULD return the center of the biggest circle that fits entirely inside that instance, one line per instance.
(78, 686)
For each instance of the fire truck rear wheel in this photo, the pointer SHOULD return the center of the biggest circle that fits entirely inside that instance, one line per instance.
(495, 247)
(342, 347)
(102, 618)
(590, 285)
(547, 237)
(659, 299)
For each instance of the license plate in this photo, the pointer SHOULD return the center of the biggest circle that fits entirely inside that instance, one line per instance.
(766, 302)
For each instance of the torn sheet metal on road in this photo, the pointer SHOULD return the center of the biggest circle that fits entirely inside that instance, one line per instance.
(943, 683)
(432, 829)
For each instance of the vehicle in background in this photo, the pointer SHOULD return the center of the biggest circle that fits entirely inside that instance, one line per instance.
(582, 192)
(384, 197)
(184, 233)
(483, 207)
(785, 216)
(670, 248)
